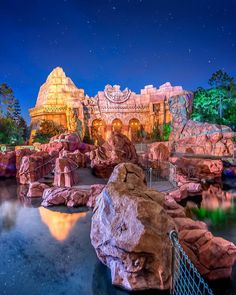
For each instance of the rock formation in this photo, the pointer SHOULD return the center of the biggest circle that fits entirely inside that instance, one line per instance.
(35, 166)
(36, 189)
(69, 141)
(130, 229)
(65, 172)
(116, 150)
(71, 197)
(196, 137)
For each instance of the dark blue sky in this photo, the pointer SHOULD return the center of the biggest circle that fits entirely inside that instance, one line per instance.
(127, 42)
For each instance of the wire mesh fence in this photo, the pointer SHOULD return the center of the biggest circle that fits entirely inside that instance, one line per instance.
(186, 280)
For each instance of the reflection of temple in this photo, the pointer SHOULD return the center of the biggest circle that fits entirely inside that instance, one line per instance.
(112, 109)
(60, 224)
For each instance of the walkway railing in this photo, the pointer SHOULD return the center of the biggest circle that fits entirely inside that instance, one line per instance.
(186, 280)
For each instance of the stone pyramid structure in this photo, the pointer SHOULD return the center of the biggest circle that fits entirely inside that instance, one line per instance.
(58, 90)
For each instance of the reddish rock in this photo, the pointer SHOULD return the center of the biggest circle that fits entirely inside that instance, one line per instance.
(65, 172)
(214, 197)
(159, 151)
(117, 149)
(78, 158)
(197, 169)
(36, 189)
(196, 137)
(94, 193)
(35, 166)
(19, 155)
(66, 141)
(71, 197)
(212, 256)
(130, 231)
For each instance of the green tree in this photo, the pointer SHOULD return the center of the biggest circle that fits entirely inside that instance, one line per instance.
(6, 99)
(166, 131)
(47, 130)
(220, 79)
(156, 134)
(10, 133)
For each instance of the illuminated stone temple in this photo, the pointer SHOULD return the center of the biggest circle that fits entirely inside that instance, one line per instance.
(111, 109)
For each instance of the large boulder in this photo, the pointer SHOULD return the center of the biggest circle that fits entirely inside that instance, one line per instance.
(117, 149)
(130, 231)
(130, 228)
(7, 164)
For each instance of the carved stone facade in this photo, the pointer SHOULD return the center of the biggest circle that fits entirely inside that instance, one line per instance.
(110, 110)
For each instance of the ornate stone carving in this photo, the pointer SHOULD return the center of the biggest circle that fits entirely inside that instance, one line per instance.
(114, 94)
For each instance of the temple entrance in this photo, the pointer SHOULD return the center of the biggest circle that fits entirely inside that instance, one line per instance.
(98, 131)
(134, 127)
(117, 125)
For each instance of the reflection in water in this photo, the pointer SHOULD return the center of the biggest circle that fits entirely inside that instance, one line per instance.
(217, 205)
(60, 224)
(8, 215)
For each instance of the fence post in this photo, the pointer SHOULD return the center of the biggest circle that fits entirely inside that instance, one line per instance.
(150, 177)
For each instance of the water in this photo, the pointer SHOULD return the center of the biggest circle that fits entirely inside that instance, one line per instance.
(217, 207)
(48, 252)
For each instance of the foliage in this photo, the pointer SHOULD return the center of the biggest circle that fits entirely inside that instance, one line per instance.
(166, 131)
(10, 132)
(7, 99)
(47, 129)
(141, 132)
(217, 104)
(220, 79)
(87, 138)
(156, 134)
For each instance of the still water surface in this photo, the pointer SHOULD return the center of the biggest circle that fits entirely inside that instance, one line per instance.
(48, 251)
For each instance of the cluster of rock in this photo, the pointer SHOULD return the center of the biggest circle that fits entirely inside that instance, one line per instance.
(196, 137)
(65, 141)
(116, 150)
(130, 228)
(71, 197)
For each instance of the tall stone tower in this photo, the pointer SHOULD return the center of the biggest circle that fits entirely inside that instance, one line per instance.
(58, 100)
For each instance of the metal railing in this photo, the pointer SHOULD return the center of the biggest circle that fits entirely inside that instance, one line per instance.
(163, 171)
(186, 280)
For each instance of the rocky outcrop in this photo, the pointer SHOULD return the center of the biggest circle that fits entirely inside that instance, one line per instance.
(19, 155)
(214, 257)
(117, 149)
(130, 229)
(65, 172)
(7, 164)
(71, 197)
(65, 141)
(195, 137)
(36, 189)
(36, 166)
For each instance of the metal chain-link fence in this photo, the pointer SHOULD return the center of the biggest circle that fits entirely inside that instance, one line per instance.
(186, 280)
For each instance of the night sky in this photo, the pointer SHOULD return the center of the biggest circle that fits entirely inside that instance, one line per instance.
(128, 42)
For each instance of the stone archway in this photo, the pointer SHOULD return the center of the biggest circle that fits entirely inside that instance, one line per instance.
(98, 130)
(117, 125)
(134, 127)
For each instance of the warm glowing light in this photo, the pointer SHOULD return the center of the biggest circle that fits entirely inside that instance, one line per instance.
(60, 224)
